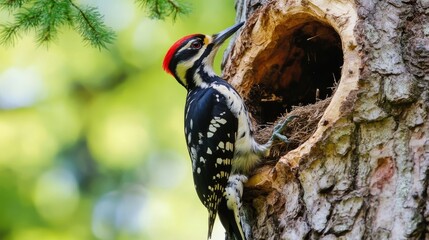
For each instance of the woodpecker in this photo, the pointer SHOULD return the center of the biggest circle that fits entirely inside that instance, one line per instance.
(218, 130)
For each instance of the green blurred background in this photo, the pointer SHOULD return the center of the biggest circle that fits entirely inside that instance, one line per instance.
(91, 141)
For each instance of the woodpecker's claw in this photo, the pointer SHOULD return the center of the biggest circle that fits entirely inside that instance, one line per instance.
(280, 127)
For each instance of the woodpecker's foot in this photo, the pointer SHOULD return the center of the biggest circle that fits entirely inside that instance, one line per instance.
(280, 127)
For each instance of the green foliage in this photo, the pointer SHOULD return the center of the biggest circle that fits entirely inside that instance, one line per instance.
(92, 141)
(160, 9)
(46, 17)
(10, 4)
(88, 22)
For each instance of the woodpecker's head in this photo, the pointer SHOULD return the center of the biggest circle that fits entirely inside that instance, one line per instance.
(193, 55)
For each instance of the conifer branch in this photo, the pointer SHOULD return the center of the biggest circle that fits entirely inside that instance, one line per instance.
(161, 9)
(89, 23)
(11, 4)
(47, 17)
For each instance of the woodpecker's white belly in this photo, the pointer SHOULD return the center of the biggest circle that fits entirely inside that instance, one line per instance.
(245, 147)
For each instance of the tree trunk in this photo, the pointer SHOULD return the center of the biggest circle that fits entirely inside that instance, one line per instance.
(358, 164)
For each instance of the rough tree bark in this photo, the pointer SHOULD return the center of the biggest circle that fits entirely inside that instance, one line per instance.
(361, 170)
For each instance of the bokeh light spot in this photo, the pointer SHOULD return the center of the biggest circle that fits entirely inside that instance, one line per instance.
(120, 140)
(56, 195)
(121, 213)
(20, 88)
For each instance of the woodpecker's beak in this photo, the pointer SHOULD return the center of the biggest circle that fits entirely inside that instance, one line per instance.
(219, 38)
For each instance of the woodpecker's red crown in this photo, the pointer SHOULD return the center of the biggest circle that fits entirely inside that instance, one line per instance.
(172, 51)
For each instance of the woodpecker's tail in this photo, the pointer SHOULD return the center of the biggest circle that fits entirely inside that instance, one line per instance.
(230, 212)
(212, 218)
(232, 227)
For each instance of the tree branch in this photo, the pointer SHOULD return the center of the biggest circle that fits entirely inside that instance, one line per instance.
(46, 16)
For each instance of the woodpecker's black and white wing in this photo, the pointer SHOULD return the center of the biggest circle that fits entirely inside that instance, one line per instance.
(210, 129)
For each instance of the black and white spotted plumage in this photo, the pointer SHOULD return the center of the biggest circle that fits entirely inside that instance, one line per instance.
(210, 135)
(217, 130)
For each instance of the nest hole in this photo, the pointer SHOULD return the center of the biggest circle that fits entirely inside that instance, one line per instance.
(303, 67)
(300, 72)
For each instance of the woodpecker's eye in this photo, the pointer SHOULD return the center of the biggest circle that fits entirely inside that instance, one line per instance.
(196, 44)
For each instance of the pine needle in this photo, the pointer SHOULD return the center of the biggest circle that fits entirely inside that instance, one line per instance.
(161, 9)
(11, 4)
(46, 17)
(89, 23)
